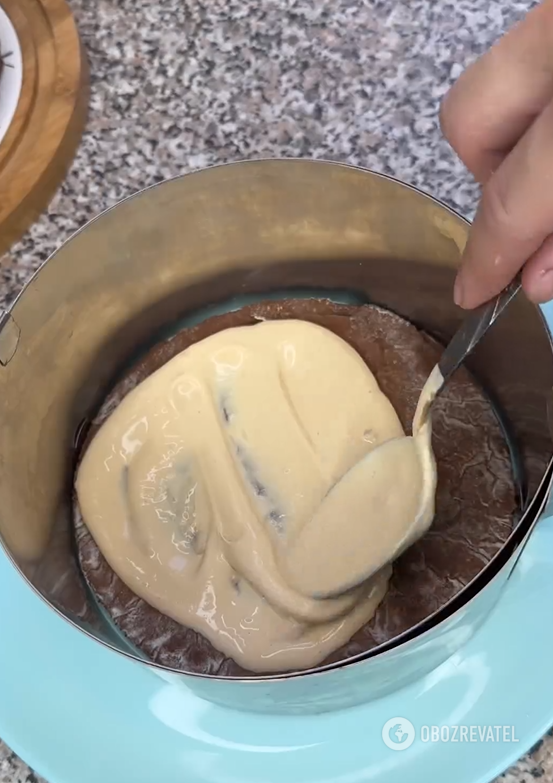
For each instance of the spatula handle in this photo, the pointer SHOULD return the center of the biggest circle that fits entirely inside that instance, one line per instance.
(475, 325)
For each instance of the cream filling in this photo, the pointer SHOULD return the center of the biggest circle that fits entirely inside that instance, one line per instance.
(201, 486)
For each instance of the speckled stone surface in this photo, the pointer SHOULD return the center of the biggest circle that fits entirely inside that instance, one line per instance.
(180, 84)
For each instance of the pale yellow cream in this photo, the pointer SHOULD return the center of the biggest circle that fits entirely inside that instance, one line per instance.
(201, 485)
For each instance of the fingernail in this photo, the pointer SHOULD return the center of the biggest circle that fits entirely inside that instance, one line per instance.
(458, 293)
(544, 286)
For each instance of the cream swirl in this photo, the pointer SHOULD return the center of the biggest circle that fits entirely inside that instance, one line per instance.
(199, 484)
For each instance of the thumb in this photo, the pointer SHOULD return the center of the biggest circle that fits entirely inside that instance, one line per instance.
(514, 218)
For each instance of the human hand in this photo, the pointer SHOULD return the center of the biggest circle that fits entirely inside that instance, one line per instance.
(498, 117)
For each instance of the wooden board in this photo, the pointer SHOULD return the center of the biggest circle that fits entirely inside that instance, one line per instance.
(47, 127)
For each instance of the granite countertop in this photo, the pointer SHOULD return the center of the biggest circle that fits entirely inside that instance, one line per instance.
(180, 84)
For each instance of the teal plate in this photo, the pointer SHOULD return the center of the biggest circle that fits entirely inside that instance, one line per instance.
(76, 711)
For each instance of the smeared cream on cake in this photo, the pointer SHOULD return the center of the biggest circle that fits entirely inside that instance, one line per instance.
(200, 485)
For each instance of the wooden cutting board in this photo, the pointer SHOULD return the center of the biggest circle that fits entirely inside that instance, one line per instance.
(44, 134)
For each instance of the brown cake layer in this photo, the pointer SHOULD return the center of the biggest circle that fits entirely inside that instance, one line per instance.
(475, 501)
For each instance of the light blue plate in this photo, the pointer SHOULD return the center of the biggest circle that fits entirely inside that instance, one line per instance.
(78, 712)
